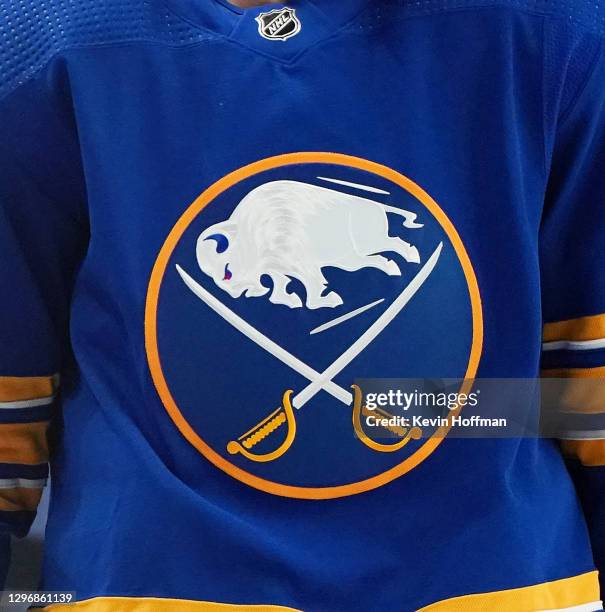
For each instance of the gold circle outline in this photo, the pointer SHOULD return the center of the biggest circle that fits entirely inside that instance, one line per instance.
(152, 300)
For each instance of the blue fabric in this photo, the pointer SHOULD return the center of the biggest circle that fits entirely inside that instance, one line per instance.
(572, 224)
(5, 544)
(34, 472)
(112, 126)
(572, 233)
(16, 522)
(573, 359)
(26, 415)
(590, 483)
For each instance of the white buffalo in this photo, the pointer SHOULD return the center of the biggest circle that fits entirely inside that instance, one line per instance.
(289, 229)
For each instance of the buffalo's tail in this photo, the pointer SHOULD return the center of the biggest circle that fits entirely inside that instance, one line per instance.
(409, 218)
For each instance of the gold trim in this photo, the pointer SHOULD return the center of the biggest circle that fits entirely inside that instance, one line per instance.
(24, 443)
(21, 388)
(566, 593)
(577, 395)
(556, 595)
(578, 330)
(157, 604)
(598, 372)
(589, 452)
(19, 499)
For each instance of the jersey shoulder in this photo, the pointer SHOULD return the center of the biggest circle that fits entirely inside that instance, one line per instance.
(586, 15)
(34, 31)
(569, 35)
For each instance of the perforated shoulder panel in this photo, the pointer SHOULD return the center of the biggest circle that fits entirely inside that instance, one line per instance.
(588, 14)
(32, 31)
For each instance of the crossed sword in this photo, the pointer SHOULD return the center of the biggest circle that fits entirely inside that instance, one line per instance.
(318, 380)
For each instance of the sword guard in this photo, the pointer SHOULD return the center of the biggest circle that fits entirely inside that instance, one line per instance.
(284, 415)
(405, 433)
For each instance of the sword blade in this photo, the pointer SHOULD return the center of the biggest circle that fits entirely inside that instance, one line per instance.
(371, 333)
(344, 318)
(261, 340)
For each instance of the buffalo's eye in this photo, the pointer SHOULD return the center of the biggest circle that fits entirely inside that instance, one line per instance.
(222, 242)
(228, 273)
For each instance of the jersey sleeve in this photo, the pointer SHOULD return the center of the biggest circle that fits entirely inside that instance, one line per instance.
(573, 290)
(43, 234)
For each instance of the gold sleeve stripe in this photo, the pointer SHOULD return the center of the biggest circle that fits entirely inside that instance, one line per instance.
(582, 329)
(575, 373)
(577, 395)
(16, 389)
(559, 595)
(19, 499)
(24, 443)
(590, 452)
(156, 604)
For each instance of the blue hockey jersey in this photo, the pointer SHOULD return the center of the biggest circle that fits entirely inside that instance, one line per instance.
(214, 221)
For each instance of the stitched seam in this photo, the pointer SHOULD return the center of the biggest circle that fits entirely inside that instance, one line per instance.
(520, 9)
(547, 156)
(214, 36)
(347, 28)
(108, 45)
(563, 116)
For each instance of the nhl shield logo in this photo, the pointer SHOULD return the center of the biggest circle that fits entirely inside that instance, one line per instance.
(279, 24)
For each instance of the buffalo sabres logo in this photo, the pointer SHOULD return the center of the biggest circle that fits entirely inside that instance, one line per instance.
(283, 284)
(279, 24)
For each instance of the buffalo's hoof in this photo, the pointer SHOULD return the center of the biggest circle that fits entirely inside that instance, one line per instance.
(257, 291)
(332, 300)
(286, 299)
(392, 269)
(413, 255)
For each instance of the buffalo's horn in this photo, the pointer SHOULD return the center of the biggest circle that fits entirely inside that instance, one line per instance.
(222, 242)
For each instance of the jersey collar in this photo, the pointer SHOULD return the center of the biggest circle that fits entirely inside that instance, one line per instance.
(318, 20)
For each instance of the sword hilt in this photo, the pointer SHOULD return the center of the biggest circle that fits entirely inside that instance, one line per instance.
(396, 429)
(284, 415)
(406, 434)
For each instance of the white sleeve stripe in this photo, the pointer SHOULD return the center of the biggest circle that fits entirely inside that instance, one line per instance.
(574, 345)
(31, 403)
(581, 435)
(22, 483)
